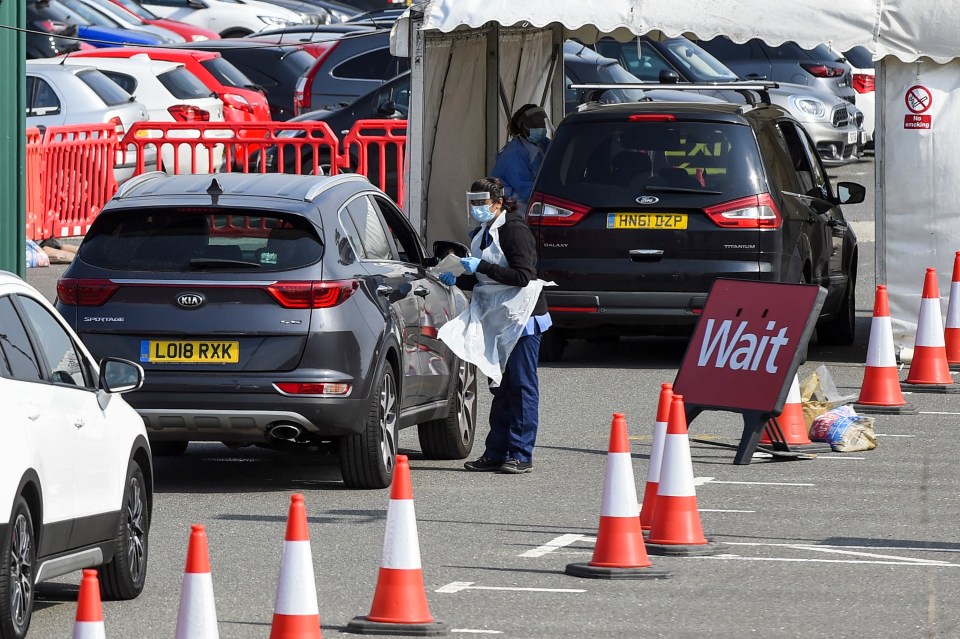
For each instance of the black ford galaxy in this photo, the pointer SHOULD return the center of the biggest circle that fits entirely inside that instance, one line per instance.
(638, 208)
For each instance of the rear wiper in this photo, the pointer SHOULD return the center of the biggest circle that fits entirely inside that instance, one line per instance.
(679, 189)
(209, 262)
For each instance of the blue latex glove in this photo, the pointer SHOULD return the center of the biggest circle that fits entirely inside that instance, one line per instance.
(470, 264)
(447, 278)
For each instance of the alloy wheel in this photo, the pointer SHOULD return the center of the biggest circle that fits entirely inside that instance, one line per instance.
(21, 571)
(136, 529)
(467, 401)
(388, 422)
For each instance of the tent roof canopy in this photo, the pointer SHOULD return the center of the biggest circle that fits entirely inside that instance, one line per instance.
(907, 29)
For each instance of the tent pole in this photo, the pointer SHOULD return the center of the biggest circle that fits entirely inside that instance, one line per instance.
(492, 95)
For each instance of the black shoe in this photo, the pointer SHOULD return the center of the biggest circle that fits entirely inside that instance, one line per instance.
(516, 467)
(483, 464)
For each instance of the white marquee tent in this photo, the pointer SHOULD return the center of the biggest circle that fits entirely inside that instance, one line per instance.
(474, 61)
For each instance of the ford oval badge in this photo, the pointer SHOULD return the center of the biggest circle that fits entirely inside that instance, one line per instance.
(190, 300)
(647, 199)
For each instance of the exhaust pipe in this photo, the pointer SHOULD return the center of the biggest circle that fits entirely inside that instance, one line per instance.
(285, 432)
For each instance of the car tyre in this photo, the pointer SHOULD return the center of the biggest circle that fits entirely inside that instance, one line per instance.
(552, 345)
(452, 437)
(367, 460)
(842, 331)
(17, 562)
(124, 576)
(168, 449)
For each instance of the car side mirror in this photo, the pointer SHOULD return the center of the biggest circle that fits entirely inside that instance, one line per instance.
(387, 109)
(197, 4)
(850, 193)
(443, 248)
(120, 375)
(669, 77)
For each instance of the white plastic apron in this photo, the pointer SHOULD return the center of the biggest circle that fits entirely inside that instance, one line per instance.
(487, 331)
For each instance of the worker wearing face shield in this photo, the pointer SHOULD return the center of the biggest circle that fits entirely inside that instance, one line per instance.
(501, 329)
(519, 160)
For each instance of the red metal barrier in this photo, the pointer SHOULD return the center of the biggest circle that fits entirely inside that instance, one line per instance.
(376, 149)
(77, 176)
(35, 189)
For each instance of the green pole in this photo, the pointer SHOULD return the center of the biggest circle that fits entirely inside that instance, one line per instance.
(13, 217)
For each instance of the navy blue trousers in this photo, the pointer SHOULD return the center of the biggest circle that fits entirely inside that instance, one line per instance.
(515, 411)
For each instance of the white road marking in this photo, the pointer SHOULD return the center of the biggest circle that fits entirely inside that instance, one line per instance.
(721, 510)
(553, 544)
(848, 550)
(840, 457)
(700, 481)
(457, 586)
(478, 632)
(888, 435)
(933, 412)
(827, 561)
(757, 483)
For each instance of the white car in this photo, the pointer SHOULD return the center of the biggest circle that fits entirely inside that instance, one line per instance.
(861, 61)
(67, 95)
(125, 20)
(76, 478)
(171, 93)
(229, 18)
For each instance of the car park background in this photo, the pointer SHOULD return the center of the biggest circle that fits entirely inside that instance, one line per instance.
(825, 538)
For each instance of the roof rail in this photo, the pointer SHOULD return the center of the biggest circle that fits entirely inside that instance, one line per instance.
(331, 181)
(138, 180)
(747, 89)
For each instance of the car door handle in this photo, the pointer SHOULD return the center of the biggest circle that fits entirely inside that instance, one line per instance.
(385, 290)
(34, 417)
(421, 291)
(79, 423)
(645, 255)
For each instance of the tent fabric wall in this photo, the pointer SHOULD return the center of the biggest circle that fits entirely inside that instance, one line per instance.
(918, 194)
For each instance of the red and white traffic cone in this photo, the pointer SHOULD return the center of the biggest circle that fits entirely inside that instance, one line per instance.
(295, 613)
(197, 618)
(89, 620)
(880, 391)
(676, 526)
(656, 456)
(620, 552)
(790, 427)
(400, 600)
(929, 371)
(951, 332)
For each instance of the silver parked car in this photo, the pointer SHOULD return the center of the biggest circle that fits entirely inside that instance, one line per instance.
(59, 95)
(833, 123)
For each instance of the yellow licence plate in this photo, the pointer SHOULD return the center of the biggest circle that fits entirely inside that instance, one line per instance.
(189, 352)
(663, 221)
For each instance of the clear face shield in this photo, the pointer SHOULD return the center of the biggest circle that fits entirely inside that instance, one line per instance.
(476, 198)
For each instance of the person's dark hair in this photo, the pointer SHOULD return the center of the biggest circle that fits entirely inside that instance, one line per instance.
(520, 122)
(494, 186)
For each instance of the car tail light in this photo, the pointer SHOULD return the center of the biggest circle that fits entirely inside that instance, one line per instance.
(863, 82)
(552, 211)
(651, 117)
(312, 294)
(188, 113)
(238, 102)
(822, 70)
(313, 388)
(80, 292)
(118, 123)
(302, 100)
(751, 212)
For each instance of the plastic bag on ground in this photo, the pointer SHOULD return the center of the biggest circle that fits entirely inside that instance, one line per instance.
(844, 430)
(36, 258)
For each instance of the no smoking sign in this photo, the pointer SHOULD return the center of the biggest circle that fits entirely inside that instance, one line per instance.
(918, 99)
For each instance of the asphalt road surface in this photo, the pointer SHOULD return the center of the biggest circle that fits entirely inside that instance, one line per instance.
(844, 545)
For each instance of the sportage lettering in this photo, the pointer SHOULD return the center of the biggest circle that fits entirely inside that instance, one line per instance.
(742, 350)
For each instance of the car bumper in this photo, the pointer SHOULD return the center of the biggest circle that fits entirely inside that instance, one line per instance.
(645, 313)
(835, 145)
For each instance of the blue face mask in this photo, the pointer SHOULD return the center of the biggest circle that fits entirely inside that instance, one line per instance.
(537, 135)
(481, 213)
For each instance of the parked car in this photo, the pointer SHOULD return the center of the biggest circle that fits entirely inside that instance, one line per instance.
(383, 18)
(100, 30)
(347, 68)
(50, 33)
(313, 294)
(639, 207)
(229, 18)
(64, 95)
(833, 123)
(76, 480)
(757, 60)
(243, 101)
(864, 83)
(190, 33)
(276, 69)
(125, 20)
(171, 94)
(314, 39)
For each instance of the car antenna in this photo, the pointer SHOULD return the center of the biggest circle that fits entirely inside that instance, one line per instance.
(215, 190)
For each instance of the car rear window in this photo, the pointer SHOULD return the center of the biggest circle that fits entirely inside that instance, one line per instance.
(610, 163)
(183, 84)
(108, 90)
(298, 62)
(183, 240)
(227, 74)
(860, 57)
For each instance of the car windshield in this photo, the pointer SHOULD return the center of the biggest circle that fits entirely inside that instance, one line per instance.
(183, 84)
(227, 74)
(57, 11)
(91, 15)
(175, 240)
(697, 64)
(605, 163)
(136, 8)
